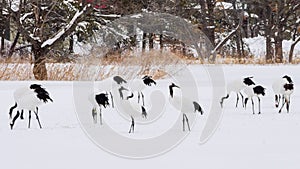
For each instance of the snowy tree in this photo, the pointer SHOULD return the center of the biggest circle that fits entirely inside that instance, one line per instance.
(285, 16)
(277, 20)
(207, 18)
(4, 25)
(46, 24)
(295, 29)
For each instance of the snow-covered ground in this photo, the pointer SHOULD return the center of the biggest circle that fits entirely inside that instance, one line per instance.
(257, 47)
(242, 140)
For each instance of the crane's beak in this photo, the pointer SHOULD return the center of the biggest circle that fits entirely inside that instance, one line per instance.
(174, 85)
(123, 88)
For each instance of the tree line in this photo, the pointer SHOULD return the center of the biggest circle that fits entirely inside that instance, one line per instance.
(44, 27)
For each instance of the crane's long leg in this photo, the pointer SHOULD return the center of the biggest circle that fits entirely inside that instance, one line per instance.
(283, 102)
(187, 122)
(37, 117)
(100, 114)
(29, 117)
(288, 104)
(14, 119)
(242, 99)
(259, 105)
(131, 130)
(112, 100)
(139, 97)
(252, 105)
(276, 101)
(94, 114)
(279, 99)
(222, 99)
(143, 98)
(11, 110)
(22, 115)
(183, 122)
(237, 99)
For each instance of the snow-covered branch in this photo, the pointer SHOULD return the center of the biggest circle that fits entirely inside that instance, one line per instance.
(64, 31)
(219, 45)
(297, 40)
(292, 48)
(22, 18)
(109, 16)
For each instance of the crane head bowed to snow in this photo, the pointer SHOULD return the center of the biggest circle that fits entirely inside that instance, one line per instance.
(237, 86)
(283, 88)
(29, 98)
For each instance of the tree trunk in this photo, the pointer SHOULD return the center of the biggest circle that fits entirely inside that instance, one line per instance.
(2, 45)
(184, 53)
(151, 37)
(12, 48)
(144, 42)
(278, 50)
(1, 29)
(291, 53)
(39, 68)
(268, 22)
(238, 32)
(161, 42)
(71, 44)
(238, 44)
(208, 27)
(269, 49)
(242, 47)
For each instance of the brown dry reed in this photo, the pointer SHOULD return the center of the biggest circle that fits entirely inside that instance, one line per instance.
(158, 64)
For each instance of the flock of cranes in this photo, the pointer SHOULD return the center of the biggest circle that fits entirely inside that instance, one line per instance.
(282, 88)
(31, 97)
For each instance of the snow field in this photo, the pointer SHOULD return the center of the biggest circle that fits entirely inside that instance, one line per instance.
(242, 140)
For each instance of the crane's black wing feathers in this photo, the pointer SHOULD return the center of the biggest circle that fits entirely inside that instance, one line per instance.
(102, 99)
(119, 80)
(288, 86)
(288, 78)
(148, 81)
(259, 90)
(248, 81)
(198, 107)
(42, 94)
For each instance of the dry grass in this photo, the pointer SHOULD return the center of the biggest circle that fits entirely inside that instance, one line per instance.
(154, 63)
(15, 69)
(95, 68)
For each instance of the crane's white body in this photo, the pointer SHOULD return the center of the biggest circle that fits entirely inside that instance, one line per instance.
(250, 93)
(130, 108)
(182, 104)
(92, 100)
(236, 86)
(277, 86)
(136, 85)
(26, 99)
(107, 84)
(281, 93)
